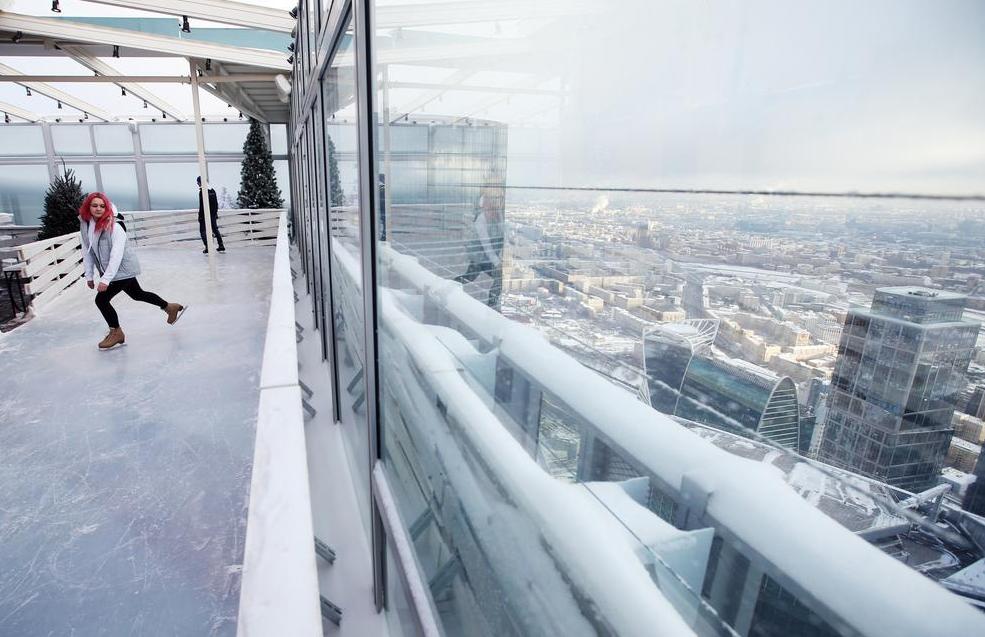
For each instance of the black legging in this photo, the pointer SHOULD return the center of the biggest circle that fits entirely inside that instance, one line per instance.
(133, 290)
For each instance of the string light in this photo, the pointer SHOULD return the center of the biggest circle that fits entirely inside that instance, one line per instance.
(185, 27)
(55, 6)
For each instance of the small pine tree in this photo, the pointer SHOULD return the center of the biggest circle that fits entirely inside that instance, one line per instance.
(61, 206)
(336, 196)
(258, 181)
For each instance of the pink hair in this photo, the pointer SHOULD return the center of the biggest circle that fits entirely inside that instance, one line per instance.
(104, 222)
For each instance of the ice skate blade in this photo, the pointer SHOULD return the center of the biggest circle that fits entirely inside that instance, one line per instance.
(178, 318)
(107, 349)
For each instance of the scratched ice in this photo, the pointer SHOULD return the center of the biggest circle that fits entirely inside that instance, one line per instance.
(124, 475)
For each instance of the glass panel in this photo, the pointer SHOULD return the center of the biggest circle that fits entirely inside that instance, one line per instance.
(21, 139)
(224, 177)
(283, 172)
(120, 184)
(86, 173)
(278, 140)
(661, 275)
(71, 139)
(22, 191)
(225, 138)
(172, 186)
(168, 138)
(113, 139)
(338, 91)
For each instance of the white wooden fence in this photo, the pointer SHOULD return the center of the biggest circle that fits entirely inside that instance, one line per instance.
(51, 266)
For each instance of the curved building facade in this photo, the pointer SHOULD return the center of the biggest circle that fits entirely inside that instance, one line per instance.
(683, 381)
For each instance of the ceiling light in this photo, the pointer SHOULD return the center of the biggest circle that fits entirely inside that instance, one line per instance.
(55, 7)
(17, 37)
(123, 91)
(6, 118)
(28, 88)
(145, 103)
(185, 27)
(59, 105)
(116, 50)
(294, 12)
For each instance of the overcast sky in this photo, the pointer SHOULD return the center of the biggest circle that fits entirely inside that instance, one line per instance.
(879, 95)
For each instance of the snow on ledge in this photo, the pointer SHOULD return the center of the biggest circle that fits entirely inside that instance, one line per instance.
(279, 594)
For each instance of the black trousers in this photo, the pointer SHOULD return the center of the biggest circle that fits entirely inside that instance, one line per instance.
(133, 290)
(215, 230)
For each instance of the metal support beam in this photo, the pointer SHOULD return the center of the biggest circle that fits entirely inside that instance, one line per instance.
(236, 13)
(95, 64)
(143, 79)
(19, 112)
(57, 94)
(68, 31)
(203, 169)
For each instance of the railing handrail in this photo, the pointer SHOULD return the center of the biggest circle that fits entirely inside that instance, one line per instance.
(279, 590)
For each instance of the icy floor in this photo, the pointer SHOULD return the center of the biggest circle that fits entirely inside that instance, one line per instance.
(124, 475)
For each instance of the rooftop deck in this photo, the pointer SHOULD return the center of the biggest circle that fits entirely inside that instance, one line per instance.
(125, 475)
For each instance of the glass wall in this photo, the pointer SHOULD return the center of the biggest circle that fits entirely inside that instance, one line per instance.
(128, 160)
(341, 172)
(558, 189)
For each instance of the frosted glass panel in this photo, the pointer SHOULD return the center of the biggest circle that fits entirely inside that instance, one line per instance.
(72, 139)
(172, 186)
(113, 139)
(17, 139)
(278, 139)
(224, 179)
(22, 191)
(283, 180)
(168, 138)
(120, 185)
(225, 138)
(86, 173)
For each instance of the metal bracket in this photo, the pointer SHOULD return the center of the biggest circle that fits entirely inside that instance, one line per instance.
(330, 611)
(308, 408)
(324, 551)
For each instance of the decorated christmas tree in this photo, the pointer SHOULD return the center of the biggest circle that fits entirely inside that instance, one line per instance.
(337, 197)
(61, 206)
(258, 181)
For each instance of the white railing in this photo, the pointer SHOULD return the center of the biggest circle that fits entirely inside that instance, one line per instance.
(158, 227)
(49, 267)
(279, 594)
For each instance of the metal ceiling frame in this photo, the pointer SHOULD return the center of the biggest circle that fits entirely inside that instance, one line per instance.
(93, 63)
(19, 112)
(59, 95)
(225, 11)
(79, 32)
(227, 91)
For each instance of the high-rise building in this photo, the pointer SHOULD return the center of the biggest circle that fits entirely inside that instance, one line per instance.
(901, 365)
(683, 380)
(974, 500)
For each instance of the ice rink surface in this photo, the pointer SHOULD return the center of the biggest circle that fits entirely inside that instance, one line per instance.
(124, 475)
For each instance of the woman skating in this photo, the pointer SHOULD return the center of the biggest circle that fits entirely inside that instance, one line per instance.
(105, 246)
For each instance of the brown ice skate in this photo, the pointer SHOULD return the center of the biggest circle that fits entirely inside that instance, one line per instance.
(174, 312)
(114, 338)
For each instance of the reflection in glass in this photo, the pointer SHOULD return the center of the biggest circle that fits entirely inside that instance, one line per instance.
(340, 172)
(225, 138)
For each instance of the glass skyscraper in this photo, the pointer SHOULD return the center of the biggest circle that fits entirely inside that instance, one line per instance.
(901, 365)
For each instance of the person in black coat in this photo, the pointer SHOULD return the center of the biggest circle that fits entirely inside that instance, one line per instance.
(214, 210)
